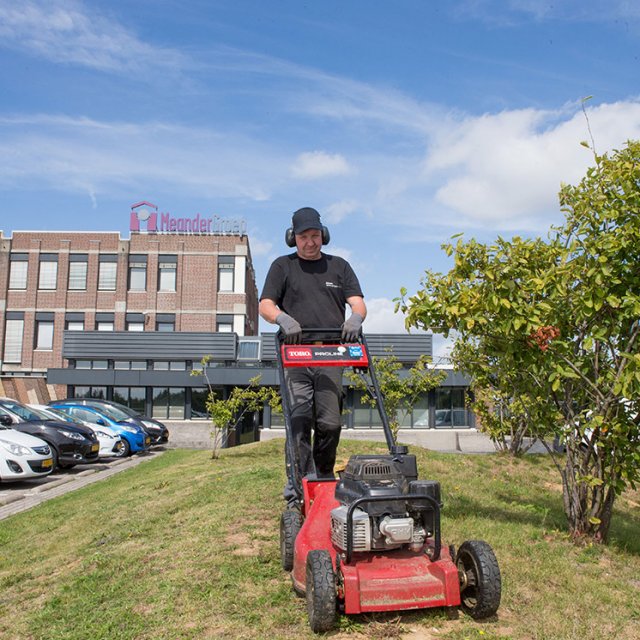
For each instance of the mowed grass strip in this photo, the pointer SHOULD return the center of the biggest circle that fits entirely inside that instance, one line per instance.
(184, 546)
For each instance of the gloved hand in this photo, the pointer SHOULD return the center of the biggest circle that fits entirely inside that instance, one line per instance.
(351, 328)
(290, 327)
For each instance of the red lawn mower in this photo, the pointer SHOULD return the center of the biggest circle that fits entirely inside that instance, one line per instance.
(370, 541)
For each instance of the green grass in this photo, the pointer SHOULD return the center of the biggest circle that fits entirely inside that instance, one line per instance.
(183, 546)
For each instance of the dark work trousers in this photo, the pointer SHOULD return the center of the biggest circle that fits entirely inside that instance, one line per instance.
(315, 397)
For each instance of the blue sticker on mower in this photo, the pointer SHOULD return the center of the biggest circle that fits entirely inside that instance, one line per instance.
(355, 352)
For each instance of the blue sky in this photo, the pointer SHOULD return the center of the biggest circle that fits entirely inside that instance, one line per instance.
(402, 122)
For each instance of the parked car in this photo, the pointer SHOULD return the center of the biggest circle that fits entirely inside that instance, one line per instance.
(157, 431)
(134, 438)
(70, 444)
(111, 445)
(22, 456)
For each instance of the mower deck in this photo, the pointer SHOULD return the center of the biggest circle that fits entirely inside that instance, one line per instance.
(373, 581)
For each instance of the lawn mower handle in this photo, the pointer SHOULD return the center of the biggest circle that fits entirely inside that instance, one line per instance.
(394, 449)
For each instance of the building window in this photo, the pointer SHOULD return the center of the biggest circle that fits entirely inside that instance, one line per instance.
(138, 365)
(107, 272)
(168, 402)
(167, 269)
(48, 272)
(90, 392)
(44, 334)
(249, 350)
(18, 271)
(165, 365)
(226, 266)
(13, 332)
(137, 273)
(450, 408)
(74, 321)
(224, 323)
(134, 397)
(77, 272)
(135, 326)
(199, 398)
(165, 322)
(104, 325)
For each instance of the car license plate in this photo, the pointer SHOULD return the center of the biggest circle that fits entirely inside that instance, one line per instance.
(95, 447)
(147, 441)
(47, 463)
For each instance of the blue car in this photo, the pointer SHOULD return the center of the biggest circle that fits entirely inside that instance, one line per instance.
(134, 437)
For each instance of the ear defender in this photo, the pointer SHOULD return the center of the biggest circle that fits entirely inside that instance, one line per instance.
(290, 237)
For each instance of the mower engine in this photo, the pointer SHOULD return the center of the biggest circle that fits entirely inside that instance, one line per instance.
(390, 512)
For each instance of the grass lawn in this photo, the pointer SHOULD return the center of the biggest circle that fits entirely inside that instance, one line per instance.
(183, 546)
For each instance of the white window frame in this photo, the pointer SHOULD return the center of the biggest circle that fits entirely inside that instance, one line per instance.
(44, 335)
(18, 272)
(226, 275)
(47, 275)
(107, 276)
(77, 276)
(167, 276)
(137, 272)
(13, 336)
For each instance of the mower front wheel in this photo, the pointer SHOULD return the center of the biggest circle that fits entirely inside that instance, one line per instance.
(321, 591)
(480, 581)
(290, 524)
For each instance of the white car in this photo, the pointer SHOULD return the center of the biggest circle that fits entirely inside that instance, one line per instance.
(22, 456)
(111, 445)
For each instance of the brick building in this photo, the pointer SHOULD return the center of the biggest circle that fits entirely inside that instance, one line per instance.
(55, 283)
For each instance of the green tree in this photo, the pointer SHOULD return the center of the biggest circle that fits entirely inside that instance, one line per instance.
(227, 413)
(400, 388)
(552, 326)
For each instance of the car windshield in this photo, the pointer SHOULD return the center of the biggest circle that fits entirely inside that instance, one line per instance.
(111, 412)
(61, 415)
(121, 407)
(26, 413)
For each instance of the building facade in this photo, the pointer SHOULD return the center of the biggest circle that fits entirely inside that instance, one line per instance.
(94, 314)
(52, 283)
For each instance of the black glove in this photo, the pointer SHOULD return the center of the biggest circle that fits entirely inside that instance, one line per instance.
(351, 328)
(290, 327)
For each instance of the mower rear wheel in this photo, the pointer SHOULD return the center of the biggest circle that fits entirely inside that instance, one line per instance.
(480, 582)
(321, 591)
(290, 524)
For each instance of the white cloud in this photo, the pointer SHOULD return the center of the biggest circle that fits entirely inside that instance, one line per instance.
(338, 211)
(259, 247)
(319, 164)
(65, 31)
(381, 317)
(507, 168)
(82, 155)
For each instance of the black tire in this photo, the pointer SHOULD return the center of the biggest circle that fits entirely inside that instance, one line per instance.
(123, 451)
(321, 592)
(54, 456)
(290, 523)
(126, 450)
(480, 581)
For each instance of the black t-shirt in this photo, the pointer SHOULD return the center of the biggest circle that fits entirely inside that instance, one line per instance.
(314, 292)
